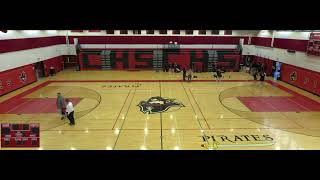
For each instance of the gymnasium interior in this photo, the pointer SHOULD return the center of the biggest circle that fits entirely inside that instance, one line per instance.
(242, 89)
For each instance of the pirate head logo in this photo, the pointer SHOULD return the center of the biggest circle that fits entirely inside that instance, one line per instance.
(158, 104)
(9, 82)
(293, 76)
(23, 77)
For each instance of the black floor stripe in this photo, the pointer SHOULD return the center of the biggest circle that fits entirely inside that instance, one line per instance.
(125, 117)
(161, 137)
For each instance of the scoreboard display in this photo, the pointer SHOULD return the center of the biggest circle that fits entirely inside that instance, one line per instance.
(20, 135)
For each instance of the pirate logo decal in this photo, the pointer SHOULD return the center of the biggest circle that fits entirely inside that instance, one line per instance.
(158, 104)
(9, 82)
(23, 77)
(293, 76)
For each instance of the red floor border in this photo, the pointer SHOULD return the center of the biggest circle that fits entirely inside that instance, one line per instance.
(29, 91)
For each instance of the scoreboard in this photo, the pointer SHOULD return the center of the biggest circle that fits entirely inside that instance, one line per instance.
(20, 135)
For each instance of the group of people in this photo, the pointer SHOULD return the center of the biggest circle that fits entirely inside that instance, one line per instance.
(217, 73)
(257, 69)
(262, 75)
(173, 67)
(65, 108)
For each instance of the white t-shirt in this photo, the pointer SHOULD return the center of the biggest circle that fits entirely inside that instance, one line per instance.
(69, 108)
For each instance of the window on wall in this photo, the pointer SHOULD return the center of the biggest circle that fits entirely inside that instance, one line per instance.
(162, 31)
(175, 31)
(110, 31)
(202, 32)
(136, 31)
(150, 31)
(215, 32)
(123, 31)
(227, 32)
(189, 32)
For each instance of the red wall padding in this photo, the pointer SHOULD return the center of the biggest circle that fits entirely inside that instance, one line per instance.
(10, 80)
(305, 79)
(56, 62)
(29, 43)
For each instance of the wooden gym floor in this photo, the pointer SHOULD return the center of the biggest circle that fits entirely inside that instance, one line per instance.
(112, 114)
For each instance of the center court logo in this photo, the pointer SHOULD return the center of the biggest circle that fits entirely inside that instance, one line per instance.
(158, 104)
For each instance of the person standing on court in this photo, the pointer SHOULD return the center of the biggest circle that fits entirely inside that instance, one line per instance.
(70, 112)
(184, 74)
(255, 73)
(189, 75)
(262, 77)
(61, 105)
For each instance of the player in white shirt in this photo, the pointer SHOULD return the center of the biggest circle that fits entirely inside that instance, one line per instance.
(70, 112)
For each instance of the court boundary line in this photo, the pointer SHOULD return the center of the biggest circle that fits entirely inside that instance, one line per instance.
(199, 108)
(169, 129)
(124, 120)
(125, 101)
(161, 135)
(201, 128)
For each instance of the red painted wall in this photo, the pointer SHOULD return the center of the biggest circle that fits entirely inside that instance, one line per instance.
(305, 79)
(291, 44)
(260, 41)
(158, 39)
(11, 80)
(56, 62)
(10, 45)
